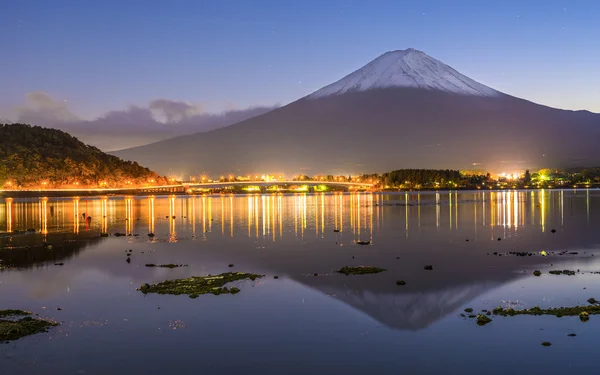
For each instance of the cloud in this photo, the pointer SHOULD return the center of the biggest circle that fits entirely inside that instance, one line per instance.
(170, 111)
(133, 126)
(41, 107)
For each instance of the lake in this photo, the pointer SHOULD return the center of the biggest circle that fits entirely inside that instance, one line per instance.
(310, 319)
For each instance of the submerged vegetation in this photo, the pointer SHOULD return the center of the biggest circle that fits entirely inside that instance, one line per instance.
(170, 265)
(197, 285)
(15, 329)
(7, 313)
(483, 320)
(360, 270)
(581, 311)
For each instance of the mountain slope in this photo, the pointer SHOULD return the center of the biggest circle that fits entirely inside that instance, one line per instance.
(358, 126)
(30, 155)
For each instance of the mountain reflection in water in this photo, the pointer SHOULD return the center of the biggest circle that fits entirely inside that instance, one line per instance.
(293, 236)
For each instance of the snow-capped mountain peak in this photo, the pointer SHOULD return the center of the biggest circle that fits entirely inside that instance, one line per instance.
(406, 68)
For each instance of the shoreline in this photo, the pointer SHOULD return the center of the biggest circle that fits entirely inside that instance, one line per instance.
(92, 193)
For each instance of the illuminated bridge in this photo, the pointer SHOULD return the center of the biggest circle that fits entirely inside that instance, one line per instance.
(174, 188)
(219, 185)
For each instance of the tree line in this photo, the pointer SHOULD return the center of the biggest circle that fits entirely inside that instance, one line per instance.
(32, 155)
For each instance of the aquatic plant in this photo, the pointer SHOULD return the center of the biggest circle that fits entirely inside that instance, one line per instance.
(15, 329)
(563, 272)
(7, 313)
(582, 311)
(197, 285)
(360, 270)
(483, 320)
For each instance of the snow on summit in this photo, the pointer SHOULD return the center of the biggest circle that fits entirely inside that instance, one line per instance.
(406, 68)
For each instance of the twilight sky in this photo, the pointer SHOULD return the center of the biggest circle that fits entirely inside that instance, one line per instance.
(92, 57)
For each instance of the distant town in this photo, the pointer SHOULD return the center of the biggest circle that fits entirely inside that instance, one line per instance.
(402, 179)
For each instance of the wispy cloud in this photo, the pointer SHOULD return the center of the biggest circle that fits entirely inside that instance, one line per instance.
(133, 126)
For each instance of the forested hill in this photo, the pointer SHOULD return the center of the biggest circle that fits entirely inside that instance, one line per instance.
(33, 156)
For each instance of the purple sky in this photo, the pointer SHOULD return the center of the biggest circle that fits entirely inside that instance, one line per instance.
(83, 59)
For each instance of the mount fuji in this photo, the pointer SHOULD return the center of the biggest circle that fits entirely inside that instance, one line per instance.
(404, 109)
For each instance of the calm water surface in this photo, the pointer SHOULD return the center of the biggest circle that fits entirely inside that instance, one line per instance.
(302, 323)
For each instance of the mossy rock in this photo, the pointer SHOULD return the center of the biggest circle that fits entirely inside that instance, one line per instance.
(15, 329)
(537, 273)
(360, 270)
(546, 343)
(483, 320)
(469, 310)
(592, 301)
(582, 311)
(170, 265)
(195, 286)
(7, 313)
(400, 282)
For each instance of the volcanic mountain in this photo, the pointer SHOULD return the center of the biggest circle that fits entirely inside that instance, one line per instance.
(404, 109)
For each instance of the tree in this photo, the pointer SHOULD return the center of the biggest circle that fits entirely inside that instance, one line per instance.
(527, 177)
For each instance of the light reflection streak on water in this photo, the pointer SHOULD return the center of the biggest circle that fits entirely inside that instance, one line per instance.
(104, 216)
(44, 216)
(507, 211)
(76, 213)
(204, 216)
(193, 214)
(437, 210)
(231, 216)
(543, 210)
(456, 210)
(587, 204)
(250, 214)
(172, 231)
(450, 208)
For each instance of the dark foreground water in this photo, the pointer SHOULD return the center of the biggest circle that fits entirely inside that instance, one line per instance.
(301, 323)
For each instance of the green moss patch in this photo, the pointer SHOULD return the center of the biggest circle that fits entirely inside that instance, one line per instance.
(166, 265)
(582, 311)
(563, 272)
(197, 285)
(15, 329)
(7, 313)
(483, 320)
(360, 270)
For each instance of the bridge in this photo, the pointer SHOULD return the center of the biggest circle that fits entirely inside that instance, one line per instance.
(224, 184)
(173, 188)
